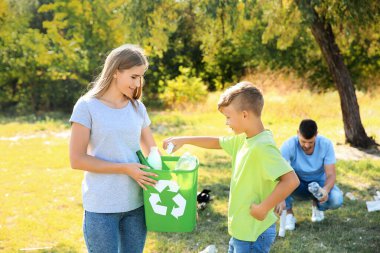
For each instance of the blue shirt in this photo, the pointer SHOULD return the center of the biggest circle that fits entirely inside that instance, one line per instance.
(309, 167)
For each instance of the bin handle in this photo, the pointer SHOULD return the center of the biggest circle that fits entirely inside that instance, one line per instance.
(143, 159)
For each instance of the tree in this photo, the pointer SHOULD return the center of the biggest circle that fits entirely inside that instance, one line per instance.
(324, 35)
(320, 16)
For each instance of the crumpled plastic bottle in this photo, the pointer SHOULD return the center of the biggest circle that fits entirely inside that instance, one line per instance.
(186, 162)
(170, 148)
(316, 190)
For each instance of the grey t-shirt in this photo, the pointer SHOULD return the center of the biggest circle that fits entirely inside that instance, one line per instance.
(114, 137)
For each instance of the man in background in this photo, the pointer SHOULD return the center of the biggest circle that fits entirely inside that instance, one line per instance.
(313, 159)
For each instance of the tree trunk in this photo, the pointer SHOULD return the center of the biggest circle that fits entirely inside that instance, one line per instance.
(323, 34)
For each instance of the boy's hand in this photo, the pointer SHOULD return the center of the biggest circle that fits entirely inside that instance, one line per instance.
(279, 207)
(176, 142)
(258, 212)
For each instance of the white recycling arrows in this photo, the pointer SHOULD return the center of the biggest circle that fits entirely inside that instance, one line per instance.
(162, 184)
(178, 199)
(181, 203)
(154, 199)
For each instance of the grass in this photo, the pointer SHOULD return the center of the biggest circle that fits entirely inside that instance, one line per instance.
(40, 195)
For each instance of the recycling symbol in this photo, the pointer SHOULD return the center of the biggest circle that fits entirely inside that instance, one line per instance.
(154, 199)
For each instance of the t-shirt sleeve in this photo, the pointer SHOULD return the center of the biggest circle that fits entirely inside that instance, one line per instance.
(146, 119)
(227, 143)
(330, 154)
(273, 164)
(286, 151)
(81, 114)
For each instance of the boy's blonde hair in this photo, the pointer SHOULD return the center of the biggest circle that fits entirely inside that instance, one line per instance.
(244, 96)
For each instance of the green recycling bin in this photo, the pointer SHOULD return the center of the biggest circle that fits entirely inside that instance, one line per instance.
(171, 205)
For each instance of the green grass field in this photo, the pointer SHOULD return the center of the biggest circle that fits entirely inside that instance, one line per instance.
(40, 195)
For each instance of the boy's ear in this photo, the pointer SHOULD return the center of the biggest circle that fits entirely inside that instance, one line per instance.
(245, 114)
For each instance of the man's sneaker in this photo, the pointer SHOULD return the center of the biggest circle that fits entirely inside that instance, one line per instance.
(317, 215)
(290, 222)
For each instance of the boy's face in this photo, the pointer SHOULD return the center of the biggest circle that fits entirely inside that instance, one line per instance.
(234, 118)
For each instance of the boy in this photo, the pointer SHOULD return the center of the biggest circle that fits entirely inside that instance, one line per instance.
(261, 178)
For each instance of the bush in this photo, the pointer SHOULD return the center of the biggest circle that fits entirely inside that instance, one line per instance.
(184, 90)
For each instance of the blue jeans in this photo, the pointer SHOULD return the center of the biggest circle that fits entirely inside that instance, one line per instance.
(261, 245)
(334, 201)
(115, 232)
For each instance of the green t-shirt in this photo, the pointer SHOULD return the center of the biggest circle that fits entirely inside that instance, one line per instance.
(256, 166)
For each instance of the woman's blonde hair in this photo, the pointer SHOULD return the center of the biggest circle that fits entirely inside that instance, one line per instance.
(124, 57)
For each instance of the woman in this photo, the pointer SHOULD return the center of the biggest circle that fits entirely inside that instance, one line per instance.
(109, 124)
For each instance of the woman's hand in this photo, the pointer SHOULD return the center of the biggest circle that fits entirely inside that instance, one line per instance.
(177, 142)
(140, 176)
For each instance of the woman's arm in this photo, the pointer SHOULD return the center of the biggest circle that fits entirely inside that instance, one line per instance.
(79, 159)
(147, 140)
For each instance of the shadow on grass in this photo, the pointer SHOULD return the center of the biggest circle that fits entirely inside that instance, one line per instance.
(216, 162)
(34, 118)
(60, 248)
(374, 150)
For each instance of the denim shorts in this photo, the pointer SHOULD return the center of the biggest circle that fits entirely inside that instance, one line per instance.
(115, 232)
(261, 245)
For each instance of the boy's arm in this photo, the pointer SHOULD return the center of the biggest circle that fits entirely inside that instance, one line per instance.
(288, 183)
(199, 141)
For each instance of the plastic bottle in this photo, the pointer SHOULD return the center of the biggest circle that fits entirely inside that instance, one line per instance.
(210, 249)
(282, 231)
(154, 158)
(350, 196)
(170, 147)
(186, 162)
(316, 190)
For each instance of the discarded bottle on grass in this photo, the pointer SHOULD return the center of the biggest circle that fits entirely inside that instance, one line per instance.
(186, 162)
(154, 158)
(316, 190)
(350, 196)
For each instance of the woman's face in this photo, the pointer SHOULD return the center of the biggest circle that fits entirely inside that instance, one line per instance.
(128, 80)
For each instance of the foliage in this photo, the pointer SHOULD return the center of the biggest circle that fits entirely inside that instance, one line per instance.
(184, 90)
(354, 26)
(50, 50)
